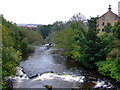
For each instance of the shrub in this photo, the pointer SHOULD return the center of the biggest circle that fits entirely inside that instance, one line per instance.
(109, 68)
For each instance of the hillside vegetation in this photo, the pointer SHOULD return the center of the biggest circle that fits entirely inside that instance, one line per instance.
(16, 42)
(82, 42)
(78, 39)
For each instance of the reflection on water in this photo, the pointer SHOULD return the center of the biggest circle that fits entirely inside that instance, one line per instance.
(44, 68)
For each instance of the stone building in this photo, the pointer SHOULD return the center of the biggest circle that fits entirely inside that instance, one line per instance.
(108, 17)
(119, 8)
(119, 11)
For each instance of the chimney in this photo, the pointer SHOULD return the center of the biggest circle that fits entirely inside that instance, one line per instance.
(109, 8)
(119, 9)
(1, 15)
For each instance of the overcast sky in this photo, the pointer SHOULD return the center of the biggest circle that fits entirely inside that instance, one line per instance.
(49, 11)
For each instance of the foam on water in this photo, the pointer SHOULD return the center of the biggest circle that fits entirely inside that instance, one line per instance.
(102, 84)
(51, 76)
(37, 70)
(22, 77)
(19, 78)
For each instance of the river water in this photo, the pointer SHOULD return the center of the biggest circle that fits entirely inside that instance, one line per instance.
(44, 68)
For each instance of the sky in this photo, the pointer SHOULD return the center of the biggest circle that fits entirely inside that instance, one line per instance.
(49, 11)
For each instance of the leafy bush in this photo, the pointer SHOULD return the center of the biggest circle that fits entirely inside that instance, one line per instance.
(109, 68)
(64, 39)
(15, 43)
(116, 30)
(73, 54)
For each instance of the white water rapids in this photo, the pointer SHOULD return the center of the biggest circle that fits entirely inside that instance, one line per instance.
(43, 69)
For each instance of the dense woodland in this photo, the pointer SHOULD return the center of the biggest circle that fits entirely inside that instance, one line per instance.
(79, 39)
(16, 42)
(82, 42)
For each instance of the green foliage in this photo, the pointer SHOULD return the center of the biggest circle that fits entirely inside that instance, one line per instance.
(10, 55)
(64, 39)
(93, 48)
(73, 54)
(100, 34)
(24, 46)
(86, 45)
(15, 43)
(108, 28)
(116, 30)
(33, 38)
(57, 26)
(64, 35)
(47, 31)
(44, 30)
(109, 68)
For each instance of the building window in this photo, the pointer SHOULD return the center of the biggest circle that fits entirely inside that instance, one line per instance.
(102, 30)
(103, 24)
(115, 18)
(103, 18)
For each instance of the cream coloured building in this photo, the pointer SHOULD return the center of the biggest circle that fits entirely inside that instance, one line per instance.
(108, 17)
(119, 8)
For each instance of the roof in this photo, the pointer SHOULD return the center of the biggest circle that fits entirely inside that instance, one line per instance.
(107, 12)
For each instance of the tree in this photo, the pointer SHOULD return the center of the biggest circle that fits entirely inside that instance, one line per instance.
(93, 48)
(15, 43)
(57, 26)
(44, 30)
(78, 21)
(116, 30)
(108, 28)
(111, 67)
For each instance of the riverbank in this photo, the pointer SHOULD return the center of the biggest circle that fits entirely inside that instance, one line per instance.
(79, 65)
(43, 68)
(95, 72)
(8, 82)
(16, 43)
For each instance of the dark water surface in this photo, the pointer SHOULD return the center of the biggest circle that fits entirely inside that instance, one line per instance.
(43, 68)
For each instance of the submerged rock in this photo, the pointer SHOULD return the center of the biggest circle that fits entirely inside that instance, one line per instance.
(88, 78)
(102, 84)
(9, 83)
(36, 75)
(49, 87)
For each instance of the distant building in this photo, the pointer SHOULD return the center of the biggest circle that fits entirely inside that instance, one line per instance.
(108, 17)
(29, 26)
(119, 8)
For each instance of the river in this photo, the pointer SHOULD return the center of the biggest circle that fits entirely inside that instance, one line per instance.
(44, 68)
